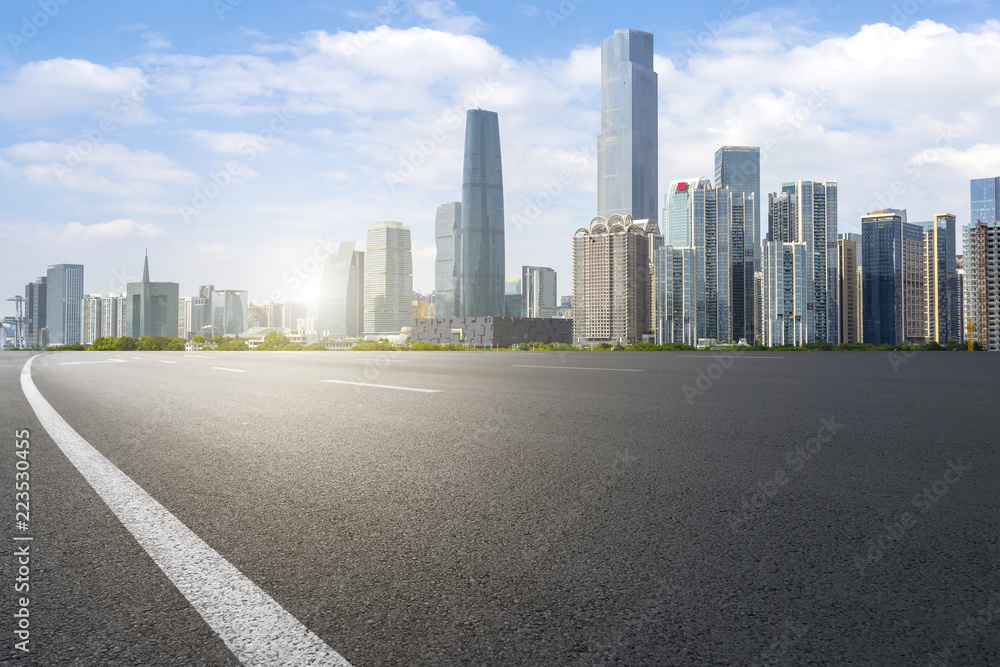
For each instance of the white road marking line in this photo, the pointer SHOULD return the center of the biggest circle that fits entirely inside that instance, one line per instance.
(197, 356)
(722, 354)
(104, 361)
(385, 386)
(164, 361)
(256, 629)
(581, 368)
(231, 370)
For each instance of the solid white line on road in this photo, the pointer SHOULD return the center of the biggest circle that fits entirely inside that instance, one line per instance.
(256, 629)
(104, 361)
(231, 370)
(716, 356)
(581, 368)
(385, 386)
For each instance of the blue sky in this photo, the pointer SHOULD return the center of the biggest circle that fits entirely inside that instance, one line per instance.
(238, 140)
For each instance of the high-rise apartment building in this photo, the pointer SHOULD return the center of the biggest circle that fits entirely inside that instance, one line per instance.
(807, 212)
(446, 232)
(64, 296)
(34, 312)
(611, 281)
(849, 287)
(538, 286)
(786, 282)
(114, 315)
(942, 296)
(152, 307)
(480, 262)
(91, 319)
(342, 294)
(675, 307)
(388, 284)
(627, 148)
(981, 261)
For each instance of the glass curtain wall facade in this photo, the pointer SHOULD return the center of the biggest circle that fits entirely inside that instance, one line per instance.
(446, 226)
(942, 302)
(63, 299)
(342, 297)
(627, 148)
(481, 235)
(985, 199)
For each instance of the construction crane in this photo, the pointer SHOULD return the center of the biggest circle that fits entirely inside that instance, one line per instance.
(18, 321)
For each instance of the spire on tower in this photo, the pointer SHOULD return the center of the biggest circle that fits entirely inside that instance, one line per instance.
(145, 268)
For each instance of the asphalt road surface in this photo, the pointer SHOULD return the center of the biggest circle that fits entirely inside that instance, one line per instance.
(480, 508)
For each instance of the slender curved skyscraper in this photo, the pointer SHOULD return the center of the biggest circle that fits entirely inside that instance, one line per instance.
(480, 243)
(627, 151)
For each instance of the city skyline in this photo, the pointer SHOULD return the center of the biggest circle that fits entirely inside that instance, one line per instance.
(261, 231)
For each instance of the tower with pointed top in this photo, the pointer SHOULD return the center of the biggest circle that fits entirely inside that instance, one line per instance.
(152, 307)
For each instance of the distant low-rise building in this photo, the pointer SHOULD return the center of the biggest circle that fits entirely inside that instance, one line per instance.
(492, 331)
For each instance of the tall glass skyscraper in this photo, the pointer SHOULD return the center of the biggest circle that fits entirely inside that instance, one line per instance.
(446, 226)
(64, 296)
(342, 294)
(480, 262)
(627, 148)
(892, 292)
(985, 196)
(738, 168)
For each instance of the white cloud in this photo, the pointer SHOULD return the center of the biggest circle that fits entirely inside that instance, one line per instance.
(59, 86)
(110, 231)
(236, 143)
(214, 249)
(98, 168)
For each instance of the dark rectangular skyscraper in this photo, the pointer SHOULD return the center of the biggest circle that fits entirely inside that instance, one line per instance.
(985, 197)
(34, 311)
(627, 149)
(480, 261)
(152, 307)
(64, 296)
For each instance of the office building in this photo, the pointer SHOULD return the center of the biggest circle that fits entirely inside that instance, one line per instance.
(513, 299)
(480, 263)
(611, 281)
(849, 287)
(738, 168)
(34, 312)
(230, 312)
(985, 199)
(627, 147)
(675, 310)
(388, 284)
(942, 296)
(893, 283)
(64, 296)
(152, 307)
(341, 312)
(538, 286)
(446, 231)
(677, 211)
